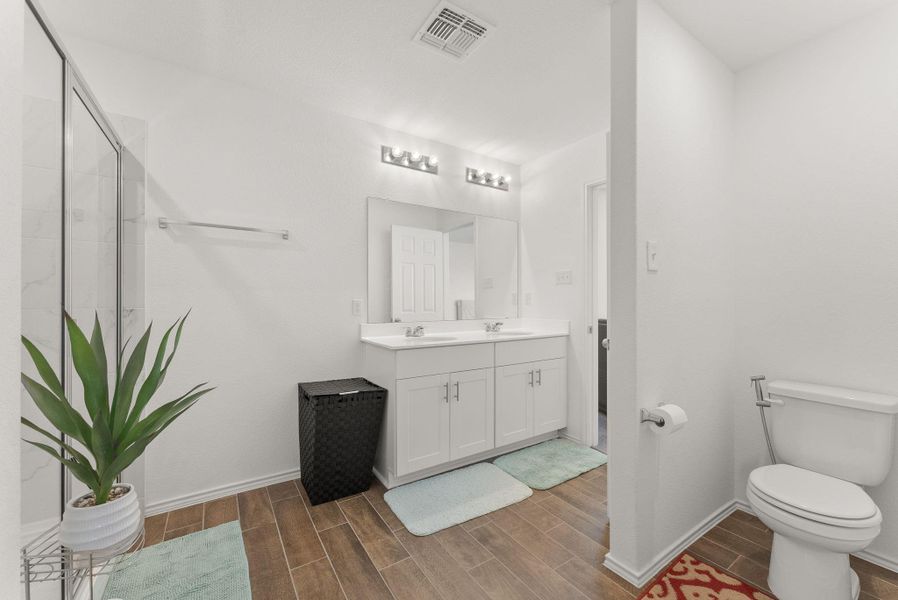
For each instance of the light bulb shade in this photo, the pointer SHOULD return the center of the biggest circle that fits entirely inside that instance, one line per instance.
(409, 159)
(485, 178)
(432, 161)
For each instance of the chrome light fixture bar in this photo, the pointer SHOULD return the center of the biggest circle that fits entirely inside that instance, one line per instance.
(492, 180)
(394, 155)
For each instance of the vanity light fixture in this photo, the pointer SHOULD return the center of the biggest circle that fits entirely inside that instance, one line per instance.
(394, 155)
(493, 180)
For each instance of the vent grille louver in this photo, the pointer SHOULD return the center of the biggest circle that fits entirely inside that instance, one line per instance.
(452, 31)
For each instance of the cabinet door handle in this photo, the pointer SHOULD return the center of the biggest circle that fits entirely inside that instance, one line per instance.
(531, 378)
(539, 377)
(456, 391)
(446, 390)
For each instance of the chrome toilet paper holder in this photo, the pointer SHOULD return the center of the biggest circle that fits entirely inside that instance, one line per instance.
(647, 416)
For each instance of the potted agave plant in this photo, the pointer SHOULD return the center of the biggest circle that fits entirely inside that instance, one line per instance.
(112, 434)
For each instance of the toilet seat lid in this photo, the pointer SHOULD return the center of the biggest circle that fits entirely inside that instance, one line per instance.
(813, 493)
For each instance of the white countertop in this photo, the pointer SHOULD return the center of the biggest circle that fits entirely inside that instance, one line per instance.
(459, 333)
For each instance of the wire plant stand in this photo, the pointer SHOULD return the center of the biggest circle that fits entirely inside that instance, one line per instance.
(46, 559)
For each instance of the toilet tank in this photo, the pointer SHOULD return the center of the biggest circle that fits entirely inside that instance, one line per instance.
(840, 432)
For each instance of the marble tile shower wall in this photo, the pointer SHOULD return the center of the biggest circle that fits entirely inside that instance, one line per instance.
(93, 254)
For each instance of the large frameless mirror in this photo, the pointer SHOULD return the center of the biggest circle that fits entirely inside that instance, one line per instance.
(431, 264)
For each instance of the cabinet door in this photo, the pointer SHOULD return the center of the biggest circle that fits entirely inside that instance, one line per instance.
(549, 395)
(514, 403)
(471, 396)
(422, 423)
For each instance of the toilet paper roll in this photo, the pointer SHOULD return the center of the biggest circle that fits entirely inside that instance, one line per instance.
(674, 419)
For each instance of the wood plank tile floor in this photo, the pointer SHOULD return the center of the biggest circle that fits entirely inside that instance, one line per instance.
(548, 547)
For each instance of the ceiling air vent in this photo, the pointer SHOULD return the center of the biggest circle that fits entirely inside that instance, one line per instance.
(452, 31)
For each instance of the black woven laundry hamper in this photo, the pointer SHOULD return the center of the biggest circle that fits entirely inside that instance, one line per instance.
(339, 425)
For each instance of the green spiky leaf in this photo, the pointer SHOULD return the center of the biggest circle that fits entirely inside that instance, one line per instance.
(113, 432)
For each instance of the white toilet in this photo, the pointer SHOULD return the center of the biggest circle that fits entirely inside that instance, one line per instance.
(829, 441)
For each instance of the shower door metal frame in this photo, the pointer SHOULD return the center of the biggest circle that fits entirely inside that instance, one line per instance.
(75, 84)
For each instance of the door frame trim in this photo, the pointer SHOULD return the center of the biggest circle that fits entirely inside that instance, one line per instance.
(590, 376)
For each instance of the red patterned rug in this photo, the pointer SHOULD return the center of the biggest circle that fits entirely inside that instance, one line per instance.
(690, 579)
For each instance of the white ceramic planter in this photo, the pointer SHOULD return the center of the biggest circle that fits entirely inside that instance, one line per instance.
(103, 527)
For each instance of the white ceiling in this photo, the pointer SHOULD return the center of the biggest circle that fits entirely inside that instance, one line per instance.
(539, 82)
(743, 32)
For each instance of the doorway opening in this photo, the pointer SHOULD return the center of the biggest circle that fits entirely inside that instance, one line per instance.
(596, 218)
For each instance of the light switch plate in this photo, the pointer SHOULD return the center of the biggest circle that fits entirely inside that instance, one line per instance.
(564, 277)
(357, 307)
(651, 257)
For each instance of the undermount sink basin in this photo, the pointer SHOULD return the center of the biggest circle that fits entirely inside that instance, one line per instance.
(432, 338)
(514, 333)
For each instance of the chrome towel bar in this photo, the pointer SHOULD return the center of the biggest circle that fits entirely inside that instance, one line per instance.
(164, 224)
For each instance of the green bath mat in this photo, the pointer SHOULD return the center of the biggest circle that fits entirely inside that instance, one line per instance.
(546, 465)
(438, 502)
(207, 565)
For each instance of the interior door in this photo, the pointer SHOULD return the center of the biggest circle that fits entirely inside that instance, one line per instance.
(422, 411)
(514, 403)
(472, 398)
(417, 274)
(549, 395)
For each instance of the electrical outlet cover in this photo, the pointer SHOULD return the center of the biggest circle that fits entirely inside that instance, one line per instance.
(564, 277)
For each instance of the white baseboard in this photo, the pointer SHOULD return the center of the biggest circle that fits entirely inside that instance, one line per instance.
(640, 577)
(878, 559)
(567, 436)
(219, 492)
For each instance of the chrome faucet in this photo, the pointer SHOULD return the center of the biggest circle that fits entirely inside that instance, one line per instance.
(493, 327)
(418, 331)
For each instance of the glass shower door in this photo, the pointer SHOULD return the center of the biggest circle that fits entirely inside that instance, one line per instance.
(42, 271)
(71, 257)
(92, 268)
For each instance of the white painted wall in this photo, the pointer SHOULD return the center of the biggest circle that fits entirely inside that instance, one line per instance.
(267, 313)
(11, 89)
(818, 250)
(670, 182)
(497, 260)
(554, 239)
